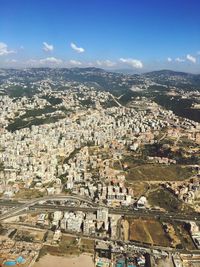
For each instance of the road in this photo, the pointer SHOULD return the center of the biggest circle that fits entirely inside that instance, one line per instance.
(40, 206)
(130, 246)
(132, 213)
(25, 206)
(114, 98)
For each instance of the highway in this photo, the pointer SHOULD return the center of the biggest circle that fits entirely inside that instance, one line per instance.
(133, 213)
(65, 203)
(40, 206)
(25, 206)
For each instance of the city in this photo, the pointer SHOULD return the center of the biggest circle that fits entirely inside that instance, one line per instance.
(80, 168)
(99, 133)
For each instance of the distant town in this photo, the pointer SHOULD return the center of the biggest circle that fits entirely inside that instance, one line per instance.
(95, 162)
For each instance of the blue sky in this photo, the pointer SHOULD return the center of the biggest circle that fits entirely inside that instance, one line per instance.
(139, 34)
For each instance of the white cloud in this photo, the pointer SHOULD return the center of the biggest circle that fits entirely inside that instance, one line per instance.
(191, 58)
(4, 49)
(47, 47)
(31, 61)
(169, 59)
(105, 63)
(50, 60)
(75, 62)
(76, 48)
(178, 59)
(11, 61)
(135, 63)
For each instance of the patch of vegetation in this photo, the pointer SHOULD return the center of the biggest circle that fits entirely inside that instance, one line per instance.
(133, 160)
(65, 110)
(29, 194)
(181, 107)
(20, 91)
(87, 102)
(24, 238)
(158, 172)
(157, 150)
(87, 245)
(20, 123)
(163, 149)
(185, 142)
(67, 246)
(167, 201)
(38, 112)
(72, 155)
(1, 166)
(53, 100)
(127, 95)
(182, 231)
(139, 188)
(109, 104)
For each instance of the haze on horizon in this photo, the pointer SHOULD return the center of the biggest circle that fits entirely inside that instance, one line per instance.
(138, 35)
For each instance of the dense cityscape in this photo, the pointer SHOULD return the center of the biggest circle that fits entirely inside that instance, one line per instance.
(83, 170)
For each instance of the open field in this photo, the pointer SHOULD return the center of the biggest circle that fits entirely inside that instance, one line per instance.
(69, 245)
(158, 172)
(87, 245)
(165, 200)
(29, 235)
(148, 231)
(29, 194)
(139, 188)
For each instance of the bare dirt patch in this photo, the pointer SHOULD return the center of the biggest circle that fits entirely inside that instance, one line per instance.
(148, 231)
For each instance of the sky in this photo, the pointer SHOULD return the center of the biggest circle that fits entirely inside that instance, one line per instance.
(141, 35)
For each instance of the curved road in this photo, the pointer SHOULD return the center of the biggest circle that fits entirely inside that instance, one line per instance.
(26, 205)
